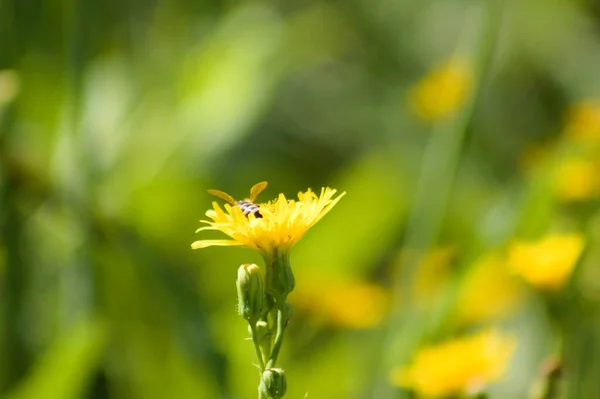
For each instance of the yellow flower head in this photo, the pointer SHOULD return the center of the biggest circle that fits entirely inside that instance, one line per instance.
(535, 157)
(432, 274)
(487, 291)
(343, 303)
(9, 85)
(458, 366)
(283, 222)
(583, 120)
(548, 263)
(442, 91)
(577, 179)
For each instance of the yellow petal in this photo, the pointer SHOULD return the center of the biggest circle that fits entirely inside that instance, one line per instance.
(206, 228)
(210, 243)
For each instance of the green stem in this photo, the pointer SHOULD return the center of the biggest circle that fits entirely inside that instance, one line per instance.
(259, 355)
(552, 383)
(439, 168)
(552, 373)
(480, 395)
(279, 335)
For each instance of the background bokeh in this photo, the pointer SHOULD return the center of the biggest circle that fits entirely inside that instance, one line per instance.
(454, 127)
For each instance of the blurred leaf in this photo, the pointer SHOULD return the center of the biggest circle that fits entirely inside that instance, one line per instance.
(342, 371)
(363, 224)
(227, 81)
(316, 20)
(64, 371)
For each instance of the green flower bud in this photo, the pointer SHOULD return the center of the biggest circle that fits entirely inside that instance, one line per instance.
(262, 331)
(272, 383)
(280, 277)
(263, 336)
(251, 291)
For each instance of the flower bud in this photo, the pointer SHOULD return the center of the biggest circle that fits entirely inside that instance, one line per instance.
(262, 331)
(251, 291)
(272, 383)
(280, 277)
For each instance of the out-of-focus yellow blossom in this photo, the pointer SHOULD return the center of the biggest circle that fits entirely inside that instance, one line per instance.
(442, 91)
(432, 273)
(583, 120)
(458, 366)
(487, 290)
(577, 179)
(283, 222)
(547, 263)
(535, 157)
(344, 303)
(9, 85)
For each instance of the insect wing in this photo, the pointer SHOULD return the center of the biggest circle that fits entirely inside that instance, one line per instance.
(257, 189)
(223, 196)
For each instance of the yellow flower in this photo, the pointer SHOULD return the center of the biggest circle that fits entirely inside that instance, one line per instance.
(284, 222)
(547, 263)
(442, 91)
(343, 303)
(9, 85)
(536, 157)
(487, 290)
(583, 120)
(577, 179)
(432, 273)
(458, 366)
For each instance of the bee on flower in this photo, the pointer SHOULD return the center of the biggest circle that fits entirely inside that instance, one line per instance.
(247, 205)
(271, 228)
(280, 224)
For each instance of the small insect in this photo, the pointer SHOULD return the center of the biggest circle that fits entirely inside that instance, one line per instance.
(247, 206)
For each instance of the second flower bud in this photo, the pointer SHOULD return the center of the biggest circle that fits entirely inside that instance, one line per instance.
(251, 291)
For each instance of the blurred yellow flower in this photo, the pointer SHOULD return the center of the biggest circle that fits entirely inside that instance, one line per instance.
(577, 179)
(9, 85)
(283, 222)
(442, 91)
(343, 303)
(547, 263)
(458, 366)
(583, 120)
(487, 290)
(432, 274)
(536, 157)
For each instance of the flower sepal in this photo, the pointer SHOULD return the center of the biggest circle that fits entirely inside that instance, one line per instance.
(280, 280)
(273, 384)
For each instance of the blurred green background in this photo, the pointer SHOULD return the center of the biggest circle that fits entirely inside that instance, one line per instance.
(116, 116)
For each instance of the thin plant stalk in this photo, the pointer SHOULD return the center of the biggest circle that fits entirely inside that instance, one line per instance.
(438, 170)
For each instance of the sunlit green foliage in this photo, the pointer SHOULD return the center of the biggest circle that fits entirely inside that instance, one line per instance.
(116, 117)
